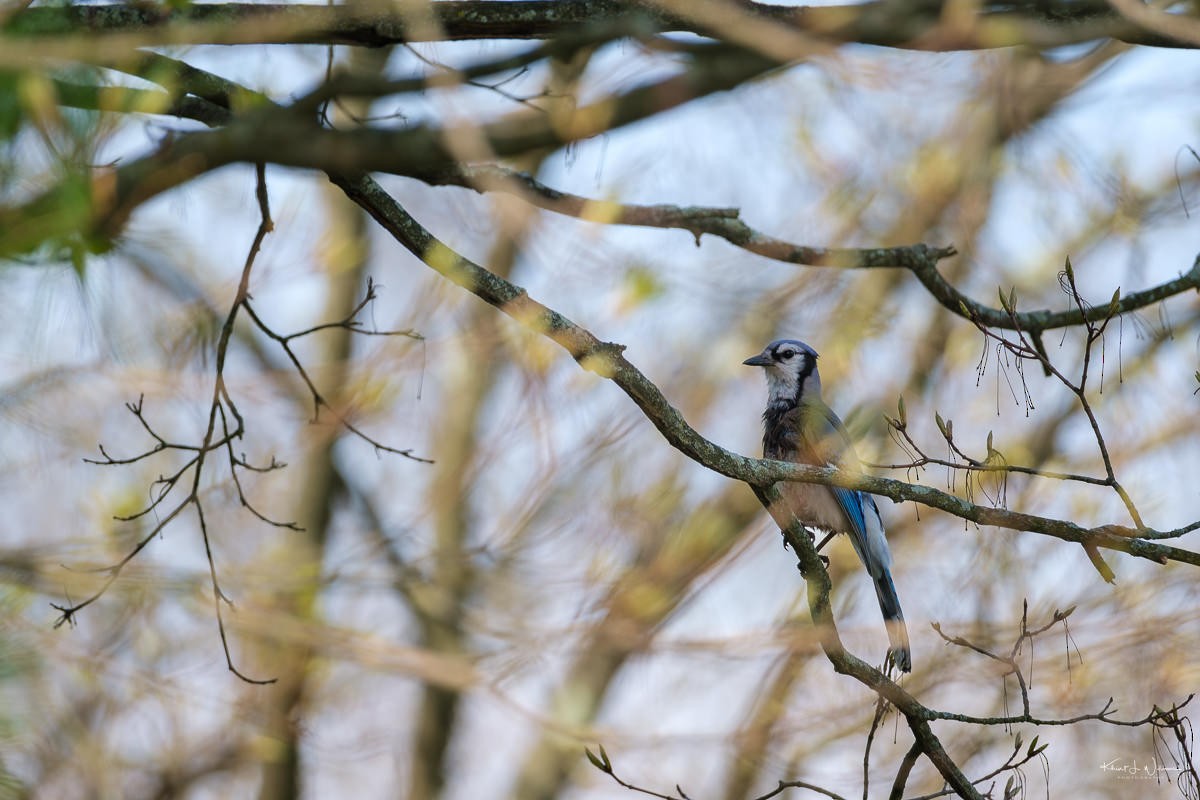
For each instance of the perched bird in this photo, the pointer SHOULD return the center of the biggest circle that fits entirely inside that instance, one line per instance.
(799, 427)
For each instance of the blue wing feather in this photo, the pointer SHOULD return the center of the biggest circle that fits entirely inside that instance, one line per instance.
(833, 446)
(851, 504)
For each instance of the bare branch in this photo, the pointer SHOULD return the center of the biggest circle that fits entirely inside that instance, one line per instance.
(726, 223)
(1027, 634)
(318, 399)
(1012, 764)
(1025, 349)
(906, 765)
(220, 405)
(67, 612)
(603, 763)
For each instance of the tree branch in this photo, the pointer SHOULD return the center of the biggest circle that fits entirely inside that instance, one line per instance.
(901, 25)
(726, 223)
(277, 135)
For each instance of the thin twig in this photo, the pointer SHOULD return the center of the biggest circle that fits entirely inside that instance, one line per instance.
(318, 399)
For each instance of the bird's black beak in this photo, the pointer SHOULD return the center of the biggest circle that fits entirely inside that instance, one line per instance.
(760, 360)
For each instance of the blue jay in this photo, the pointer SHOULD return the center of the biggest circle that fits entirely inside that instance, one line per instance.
(799, 427)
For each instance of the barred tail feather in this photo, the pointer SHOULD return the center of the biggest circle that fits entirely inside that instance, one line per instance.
(889, 604)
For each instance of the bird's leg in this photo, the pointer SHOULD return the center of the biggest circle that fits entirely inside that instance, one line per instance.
(808, 530)
(825, 541)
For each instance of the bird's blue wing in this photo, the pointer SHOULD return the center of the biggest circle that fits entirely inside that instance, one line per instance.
(851, 504)
(868, 540)
(832, 446)
(830, 443)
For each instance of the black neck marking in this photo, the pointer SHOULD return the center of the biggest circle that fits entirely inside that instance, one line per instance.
(810, 364)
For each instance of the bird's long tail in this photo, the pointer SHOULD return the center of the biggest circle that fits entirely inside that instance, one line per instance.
(889, 604)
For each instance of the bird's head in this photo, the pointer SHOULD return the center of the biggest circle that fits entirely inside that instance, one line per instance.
(791, 368)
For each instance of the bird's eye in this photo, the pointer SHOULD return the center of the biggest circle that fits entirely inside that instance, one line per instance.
(786, 354)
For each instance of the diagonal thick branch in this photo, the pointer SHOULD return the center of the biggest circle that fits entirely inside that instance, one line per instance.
(606, 359)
